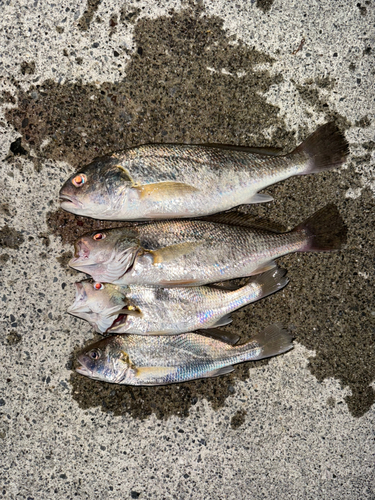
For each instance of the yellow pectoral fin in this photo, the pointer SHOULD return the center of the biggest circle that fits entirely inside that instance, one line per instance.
(162, 191)
(153, 372)
(173, 252)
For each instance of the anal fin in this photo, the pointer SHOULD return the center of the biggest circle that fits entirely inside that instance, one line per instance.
(220, 371)
(260, 198)
(225, 320)
(264, 267)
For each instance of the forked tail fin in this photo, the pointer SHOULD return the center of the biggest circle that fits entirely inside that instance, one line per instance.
(325, 230)
(272, 341)
(326, 148)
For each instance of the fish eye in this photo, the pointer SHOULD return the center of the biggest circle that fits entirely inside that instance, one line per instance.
(94, 354)
(79, 180)
(98, 286)
(98, 236)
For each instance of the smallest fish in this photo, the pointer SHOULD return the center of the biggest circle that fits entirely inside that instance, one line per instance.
(152, 310)
(158, 360)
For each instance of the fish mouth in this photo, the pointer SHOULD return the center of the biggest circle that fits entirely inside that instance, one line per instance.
(79, 304)
(81, 255)
(118, 324)
(69, 201)
(83, 370)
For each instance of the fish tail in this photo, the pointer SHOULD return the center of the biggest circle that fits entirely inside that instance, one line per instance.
(326, 148)
(272, 341)
(325, 230)
(271, 281)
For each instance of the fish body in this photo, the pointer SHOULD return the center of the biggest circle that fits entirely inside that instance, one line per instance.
(197, 252)
(151, 310)
(164, 181)
(158, 360)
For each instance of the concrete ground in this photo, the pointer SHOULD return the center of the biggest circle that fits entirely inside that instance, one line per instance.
(78, 81)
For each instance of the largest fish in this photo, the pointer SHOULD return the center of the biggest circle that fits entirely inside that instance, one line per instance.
(198, 252)
(165, 181)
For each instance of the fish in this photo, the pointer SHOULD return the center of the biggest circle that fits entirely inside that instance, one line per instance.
(158, 360)
(152, 310)
(198, 252)
(170, 181)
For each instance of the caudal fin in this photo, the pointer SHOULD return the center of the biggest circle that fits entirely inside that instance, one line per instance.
(271, 281)
(273, 340)
(326, 148)
(325, 230)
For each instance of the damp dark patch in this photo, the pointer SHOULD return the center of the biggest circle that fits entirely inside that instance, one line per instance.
(238, 419)
(86, 18)
(10, 238)
(129, 15)
(175, 91)
(70, 227)
(4, 258)
(28, 68)
(310, 93)
(13, 338)
(16, 147)
(364, 122)
(264, 5)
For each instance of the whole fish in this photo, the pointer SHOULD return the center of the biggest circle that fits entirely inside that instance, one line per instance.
(197, 252)
(165, 181)
(159, 360)
(151, 310)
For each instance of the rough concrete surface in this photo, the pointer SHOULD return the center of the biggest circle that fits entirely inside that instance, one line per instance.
(81, 80)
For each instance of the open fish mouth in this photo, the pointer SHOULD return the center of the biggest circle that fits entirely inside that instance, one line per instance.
(83, 370)
(118, 324)
(69, 200)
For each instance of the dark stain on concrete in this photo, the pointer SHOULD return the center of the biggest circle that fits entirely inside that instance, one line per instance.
(86, 18)
(28, 68)
(13, 338)
(264, 5)
(310, 93)
(70, 227)
(169, 95)
(10, 238)
(238, 419)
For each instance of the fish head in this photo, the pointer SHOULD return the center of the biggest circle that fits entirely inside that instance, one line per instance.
(97, 190)
(105, 360)
(98, 303)
(106, 254)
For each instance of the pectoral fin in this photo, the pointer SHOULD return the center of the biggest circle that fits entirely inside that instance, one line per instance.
(162, 191)
(173, 252)
(220, 371)
(153, 372)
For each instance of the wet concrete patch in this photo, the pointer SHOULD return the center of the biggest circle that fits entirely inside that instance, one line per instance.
(10, 238)
(186, 82)
(86, 18)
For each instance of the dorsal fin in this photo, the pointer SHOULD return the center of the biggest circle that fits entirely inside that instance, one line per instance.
(236, 218)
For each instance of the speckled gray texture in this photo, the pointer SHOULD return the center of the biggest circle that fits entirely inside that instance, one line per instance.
(77, 81)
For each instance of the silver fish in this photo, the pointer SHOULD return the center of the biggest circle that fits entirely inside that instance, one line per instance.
(197, 252)
(165, 181)
(158, 360)
(151, 310)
